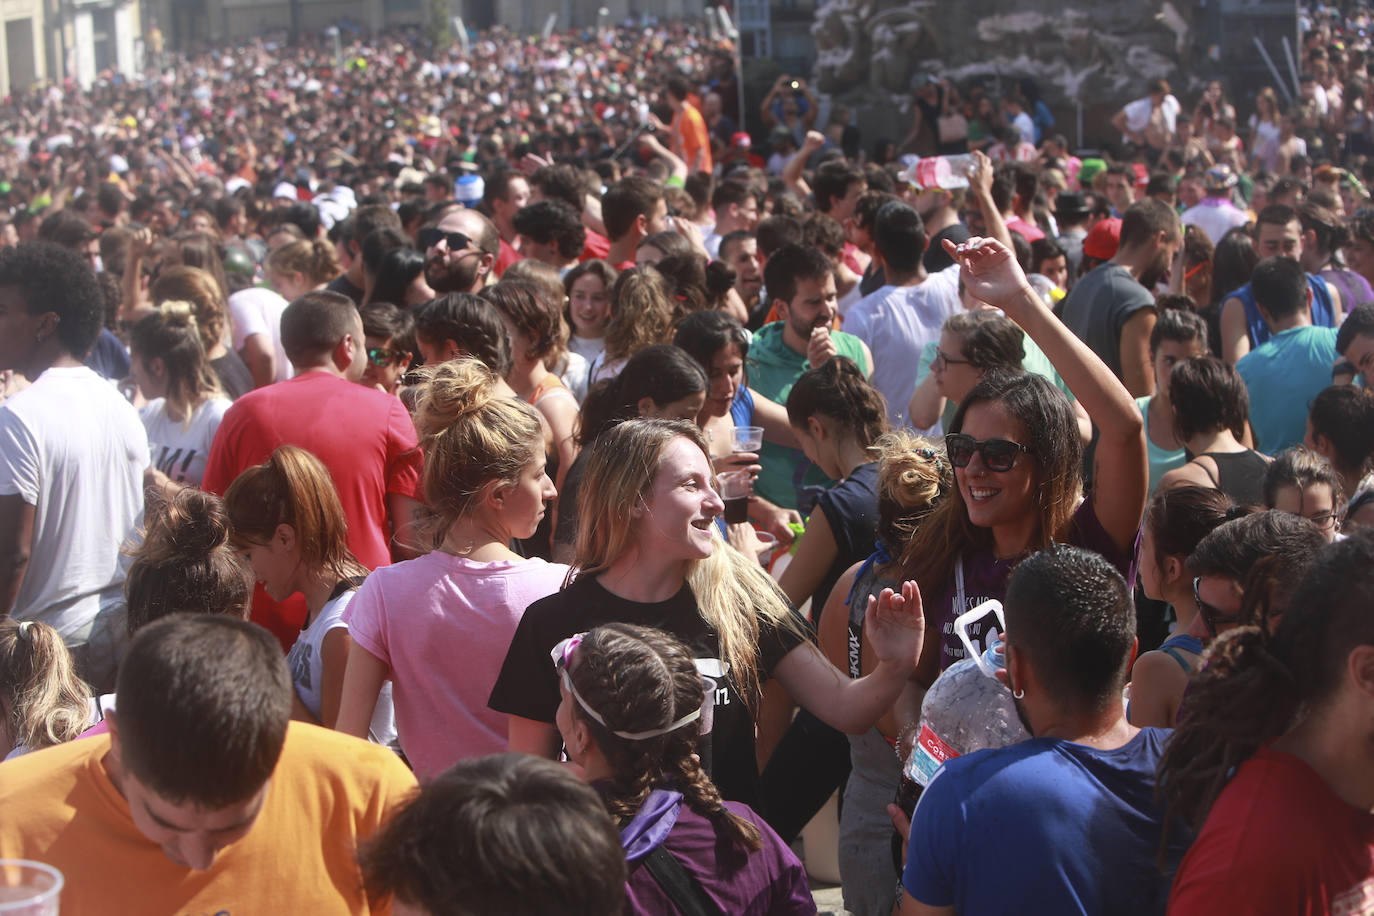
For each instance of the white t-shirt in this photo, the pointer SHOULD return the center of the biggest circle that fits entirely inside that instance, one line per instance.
(307, 669)
(572, 371)
(258, 311)
(897, 322)
(74, 449)
(179, 449)
(1138, 114)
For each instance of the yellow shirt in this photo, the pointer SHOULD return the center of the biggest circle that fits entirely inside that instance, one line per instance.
(328, 793)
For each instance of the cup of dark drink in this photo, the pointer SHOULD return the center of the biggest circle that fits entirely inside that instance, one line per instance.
(734, 490)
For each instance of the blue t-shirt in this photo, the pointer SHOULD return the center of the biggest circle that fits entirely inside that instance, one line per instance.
(1044, 826)
(1282, 376)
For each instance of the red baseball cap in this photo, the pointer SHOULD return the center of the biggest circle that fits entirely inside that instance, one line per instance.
(1103, 239)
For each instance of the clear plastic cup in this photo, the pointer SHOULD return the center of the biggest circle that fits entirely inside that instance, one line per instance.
(734, 490)
(746, 438)
(29, 888)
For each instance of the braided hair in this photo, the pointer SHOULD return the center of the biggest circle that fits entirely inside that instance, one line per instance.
(1255, 684)
(639, 679)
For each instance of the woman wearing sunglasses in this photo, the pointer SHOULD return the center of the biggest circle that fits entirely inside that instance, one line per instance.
(632, 708)
(1244, 572)
(438, 626)
(649, 552)
(1017, 459)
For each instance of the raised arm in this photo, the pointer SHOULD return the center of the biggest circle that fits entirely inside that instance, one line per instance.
(675, 162)
(992, 275)
(980, 185)
(792, 171)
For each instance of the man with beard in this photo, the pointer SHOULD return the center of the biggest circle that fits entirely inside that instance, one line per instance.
(1069, 818)
(460, 252)
(1278, 233)
(1112, 307)
(801, 286)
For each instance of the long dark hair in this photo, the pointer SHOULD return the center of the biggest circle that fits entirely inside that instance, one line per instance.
(1057, 451)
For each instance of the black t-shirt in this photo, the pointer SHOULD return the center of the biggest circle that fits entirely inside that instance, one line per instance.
(528, 686)
(233, 373)
(851, 509)
(341, 284)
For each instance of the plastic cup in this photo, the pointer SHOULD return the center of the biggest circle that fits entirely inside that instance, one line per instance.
(29, 888)
(734, 490)
(770, 544)
(746, 438)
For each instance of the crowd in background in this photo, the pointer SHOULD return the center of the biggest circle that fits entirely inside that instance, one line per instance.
(377, 418)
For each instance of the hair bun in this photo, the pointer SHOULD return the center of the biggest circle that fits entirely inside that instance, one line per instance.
(191, 523)
(178, 312)
(450, 392)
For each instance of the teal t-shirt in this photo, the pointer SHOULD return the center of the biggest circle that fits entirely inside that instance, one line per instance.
(774, 368)
(1283, 375)
(1162, 460)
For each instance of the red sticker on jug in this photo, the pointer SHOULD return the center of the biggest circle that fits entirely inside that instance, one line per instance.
(928, 754)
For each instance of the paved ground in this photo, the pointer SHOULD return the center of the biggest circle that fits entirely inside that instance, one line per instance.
(828, 900)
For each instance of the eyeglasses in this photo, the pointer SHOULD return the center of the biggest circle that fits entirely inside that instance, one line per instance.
(431, 236)
(1212, 616)
(998, 454)
(1323, 521)
(382, 357)
(941, 361)
(562, 656)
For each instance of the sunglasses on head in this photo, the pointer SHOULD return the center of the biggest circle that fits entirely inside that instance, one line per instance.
(998, 454)
(382, 357)
(431, 236)
(1212, 616)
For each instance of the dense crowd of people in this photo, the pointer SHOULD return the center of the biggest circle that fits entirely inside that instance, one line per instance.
(493, 481)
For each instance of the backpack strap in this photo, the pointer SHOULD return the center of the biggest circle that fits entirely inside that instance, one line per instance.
(679, 884)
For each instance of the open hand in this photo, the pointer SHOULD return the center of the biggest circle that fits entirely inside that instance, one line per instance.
(895, 625)
(991, 274)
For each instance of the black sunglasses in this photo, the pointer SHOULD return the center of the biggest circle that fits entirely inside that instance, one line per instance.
(998, 454)
(429, 237)
(1211, 615)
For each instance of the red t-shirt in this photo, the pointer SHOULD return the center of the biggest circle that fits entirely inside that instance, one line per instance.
(363, 436)
(1279, 841)
(596, 246)
(506, 258)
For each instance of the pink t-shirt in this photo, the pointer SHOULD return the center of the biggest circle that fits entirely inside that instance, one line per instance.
(443, 624)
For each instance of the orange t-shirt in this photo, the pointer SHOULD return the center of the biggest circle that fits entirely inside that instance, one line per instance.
(688, 135)
(328, 793)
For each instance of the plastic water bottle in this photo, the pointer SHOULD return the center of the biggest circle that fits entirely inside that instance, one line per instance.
(946, 172)
(967, 709)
